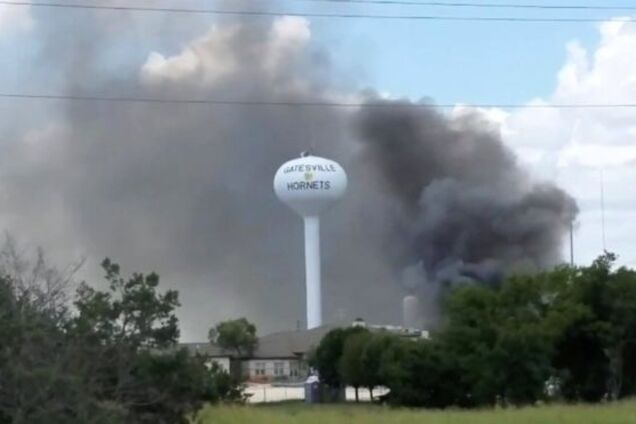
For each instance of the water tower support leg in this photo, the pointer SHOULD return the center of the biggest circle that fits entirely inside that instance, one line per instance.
(312, 269)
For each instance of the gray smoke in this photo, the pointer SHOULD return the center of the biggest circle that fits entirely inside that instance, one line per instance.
(467, 212)
(186, 190)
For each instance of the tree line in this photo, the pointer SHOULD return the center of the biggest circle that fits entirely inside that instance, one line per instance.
(110, 358)
(565, 334)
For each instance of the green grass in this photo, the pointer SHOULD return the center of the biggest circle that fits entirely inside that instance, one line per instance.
(292, 413)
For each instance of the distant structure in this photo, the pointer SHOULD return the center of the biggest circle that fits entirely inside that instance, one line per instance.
(284, 356)
(309, 185)
(413, 276)
(411, 312)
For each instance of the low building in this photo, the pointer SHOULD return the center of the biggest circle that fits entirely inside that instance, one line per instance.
(224, 359)
(282, 356)
(279, 356)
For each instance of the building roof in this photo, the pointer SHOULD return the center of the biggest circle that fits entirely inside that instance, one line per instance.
(290, 344)
(284, 344)
(293, 344)
(208, 349)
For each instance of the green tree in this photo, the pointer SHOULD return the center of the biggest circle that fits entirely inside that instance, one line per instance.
(574, 328)
(421, 374)
(126, 338)
(593, 352)
(372, 359)
(326, 358)
(622, 335)
(40, 380)
(629, 371)
(115, 360)
(131, 312)
(351, 367)
(503, 338)
(171, 387)
(392, 371)
(237, 335)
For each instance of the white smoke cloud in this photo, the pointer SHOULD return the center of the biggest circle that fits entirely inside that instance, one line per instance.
(289, 36)
(208, 59)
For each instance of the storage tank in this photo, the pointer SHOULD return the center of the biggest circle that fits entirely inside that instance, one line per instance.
(411, 312)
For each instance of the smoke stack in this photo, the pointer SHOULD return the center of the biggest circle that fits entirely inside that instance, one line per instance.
(411, 312)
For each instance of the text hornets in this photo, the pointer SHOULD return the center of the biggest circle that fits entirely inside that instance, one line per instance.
(309, 183)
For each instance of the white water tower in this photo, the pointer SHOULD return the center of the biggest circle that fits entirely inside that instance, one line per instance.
(309, 185)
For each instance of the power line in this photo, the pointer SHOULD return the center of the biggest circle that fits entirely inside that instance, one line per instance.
(476, 5)
(376, 104)
(260, 13)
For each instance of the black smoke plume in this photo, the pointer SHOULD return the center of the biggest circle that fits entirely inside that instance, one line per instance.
(466, 210)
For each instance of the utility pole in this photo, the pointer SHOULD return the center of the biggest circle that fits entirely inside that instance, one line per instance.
(572, 242)
(603, 210)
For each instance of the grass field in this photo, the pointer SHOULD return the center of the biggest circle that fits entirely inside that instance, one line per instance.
(621, 413)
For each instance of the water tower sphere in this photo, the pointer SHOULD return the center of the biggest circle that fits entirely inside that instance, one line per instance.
(310, 184)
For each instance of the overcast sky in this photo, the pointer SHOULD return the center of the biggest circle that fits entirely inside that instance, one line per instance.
(451, 62)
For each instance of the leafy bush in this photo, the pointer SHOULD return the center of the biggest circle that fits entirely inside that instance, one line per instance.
(114, 361)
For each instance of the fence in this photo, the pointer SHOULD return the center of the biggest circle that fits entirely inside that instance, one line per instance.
(265, 393)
